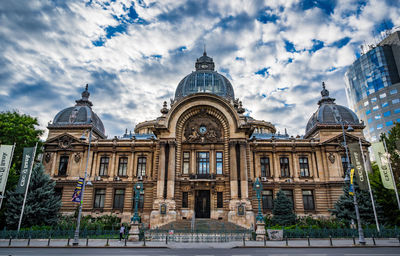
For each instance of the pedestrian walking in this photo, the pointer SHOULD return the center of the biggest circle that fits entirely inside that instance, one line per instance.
(121, 232)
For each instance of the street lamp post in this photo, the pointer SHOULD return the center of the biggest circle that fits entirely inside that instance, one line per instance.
(361, 238)
(78, 222)
(258, 188)
(138, 190)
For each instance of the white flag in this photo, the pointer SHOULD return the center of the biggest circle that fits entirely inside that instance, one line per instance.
(6, 152)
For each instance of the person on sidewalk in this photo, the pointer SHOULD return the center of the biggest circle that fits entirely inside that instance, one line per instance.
(121, 232)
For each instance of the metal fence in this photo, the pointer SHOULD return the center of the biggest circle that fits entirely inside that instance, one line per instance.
(57, 233)
(341, 233)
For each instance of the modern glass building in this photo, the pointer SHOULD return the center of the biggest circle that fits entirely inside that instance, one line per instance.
(373, 86)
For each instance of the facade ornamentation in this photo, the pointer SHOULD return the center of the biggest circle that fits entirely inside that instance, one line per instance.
(47, 157)
(77, 157)
(331, 157)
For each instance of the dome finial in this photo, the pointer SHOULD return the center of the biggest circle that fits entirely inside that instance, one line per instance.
(205, 52)
(85, 98)
(324, 92)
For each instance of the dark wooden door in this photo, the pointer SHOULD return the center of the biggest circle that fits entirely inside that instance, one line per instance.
(202, 204)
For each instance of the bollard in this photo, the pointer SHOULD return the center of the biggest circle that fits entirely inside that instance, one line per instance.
(144, 239)
(87, 241)
(48, 241)
(308, 241)
(9, 241)
(373, 239)
(244, 242)
(108, 240)
(398, 237)
(330, 240)
(287, 241)
(29, 241)
(166, 239)
(354, 240)
(126, 239)
(69, 239)
(265, 242)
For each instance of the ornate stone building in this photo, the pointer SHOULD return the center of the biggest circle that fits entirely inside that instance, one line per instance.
(200, 157)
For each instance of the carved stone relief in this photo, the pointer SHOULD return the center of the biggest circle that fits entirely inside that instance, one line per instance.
(203, 128)
(331, 158)
(64, 142)
(77, 157)
(47, 157)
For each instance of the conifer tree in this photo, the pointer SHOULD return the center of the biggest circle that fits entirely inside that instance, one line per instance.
(344, 207)
(283, 211)
(42, 205)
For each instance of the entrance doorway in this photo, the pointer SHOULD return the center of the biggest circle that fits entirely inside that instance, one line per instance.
(202, 204)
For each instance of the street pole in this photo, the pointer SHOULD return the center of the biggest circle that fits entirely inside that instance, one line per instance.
(391, 172)
(369, 187)
(78, 222)
(361, 238)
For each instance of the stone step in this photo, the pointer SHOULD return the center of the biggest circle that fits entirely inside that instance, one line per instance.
(202, 225)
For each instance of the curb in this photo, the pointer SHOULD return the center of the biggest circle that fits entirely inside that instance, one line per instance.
(343, 246)
(89, 247)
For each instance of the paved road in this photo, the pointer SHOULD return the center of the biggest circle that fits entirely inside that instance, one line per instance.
(203, 252)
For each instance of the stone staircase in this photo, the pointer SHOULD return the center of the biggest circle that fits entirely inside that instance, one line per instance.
(203, 225)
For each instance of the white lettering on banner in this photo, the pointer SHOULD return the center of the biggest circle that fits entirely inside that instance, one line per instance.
(384, 165)
(359, 166)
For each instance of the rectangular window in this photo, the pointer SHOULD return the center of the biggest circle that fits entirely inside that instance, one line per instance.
(304, 169)
(265, 168)
(386, 114)
(186, 162)
(379, 126)
(375, 108)
(397, 110)
(185, 200)
(394, 91)
(219, 161)
(371, 129)
(119, 195)
(345, 164)
(104, 160)
(308, 200)
(366, 103)
(62, 168)
(377, 117)
(220, 200)
(368, 112)
(373, 100)
(289, 194)
(389, 123)
(267, 200)
(395, 101)
(285, 172)
(141, 166)
(99, 196)
(369, 120)
(385, 104)
(122, 166)
(203, 162)
(383, 95)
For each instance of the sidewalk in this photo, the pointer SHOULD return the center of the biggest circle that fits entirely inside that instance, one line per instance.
(115, 243)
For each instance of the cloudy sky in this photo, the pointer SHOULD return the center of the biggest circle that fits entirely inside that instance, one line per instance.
(133, 54)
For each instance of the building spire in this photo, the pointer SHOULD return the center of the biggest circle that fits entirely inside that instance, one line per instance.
(204, 52)
(325, 96)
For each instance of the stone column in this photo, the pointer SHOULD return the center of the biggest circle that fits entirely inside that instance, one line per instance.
(161, 171)
(53, 164)
(296, 166)
(111, 171)
(171, 171)
(212, 160)
(313, 167)
(233, 171)
(95, 166)
(277, 171)
(192, 169)
(243, 174)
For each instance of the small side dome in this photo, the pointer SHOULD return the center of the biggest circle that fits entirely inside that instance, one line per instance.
(329, 112)
(80, 114)
(205, 79)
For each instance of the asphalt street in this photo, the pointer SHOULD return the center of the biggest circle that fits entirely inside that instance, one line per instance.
(203, 252)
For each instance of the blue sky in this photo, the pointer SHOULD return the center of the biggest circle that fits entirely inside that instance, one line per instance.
(134, 53)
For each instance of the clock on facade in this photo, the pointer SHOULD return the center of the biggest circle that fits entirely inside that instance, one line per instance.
(204, 66)
(202, 129)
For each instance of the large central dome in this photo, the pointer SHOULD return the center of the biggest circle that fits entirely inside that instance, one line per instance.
(205, 79)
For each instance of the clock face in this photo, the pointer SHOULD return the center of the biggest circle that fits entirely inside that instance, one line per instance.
(202, 129)
(204, 66)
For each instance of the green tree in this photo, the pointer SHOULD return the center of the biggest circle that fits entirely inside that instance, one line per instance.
(344, 207)
(393, 148)
(42, 205)
(283, 214)
(385, 197)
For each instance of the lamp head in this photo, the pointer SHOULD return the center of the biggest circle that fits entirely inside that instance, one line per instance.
(89, 183)
(350, 129)
(83, 137)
